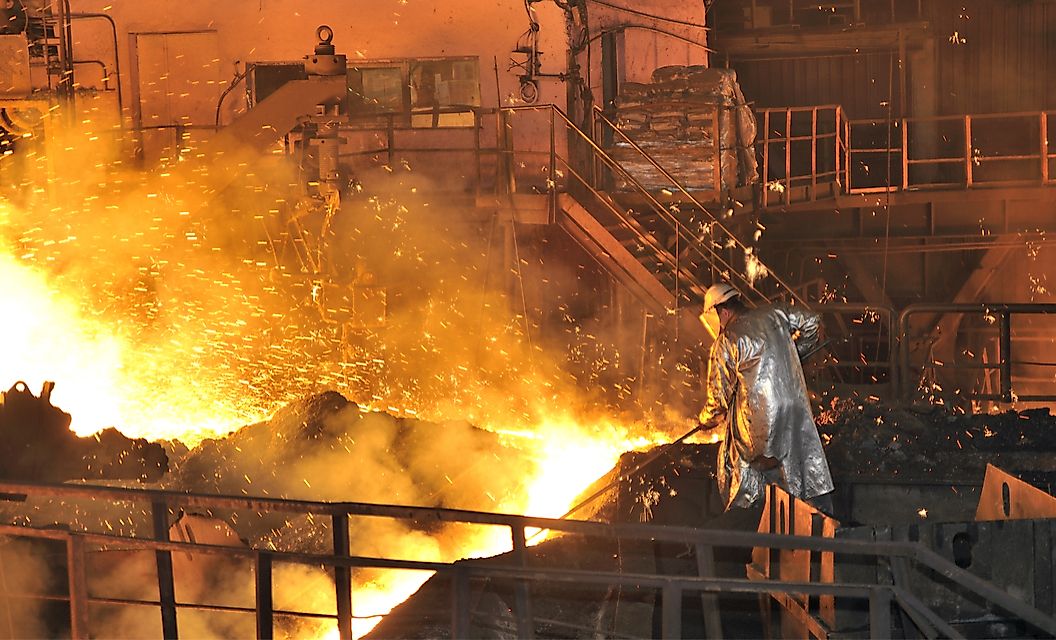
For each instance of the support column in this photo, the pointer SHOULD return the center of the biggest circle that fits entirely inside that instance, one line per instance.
(166, 584)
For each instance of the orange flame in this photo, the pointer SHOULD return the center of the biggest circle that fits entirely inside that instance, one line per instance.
(104, 378)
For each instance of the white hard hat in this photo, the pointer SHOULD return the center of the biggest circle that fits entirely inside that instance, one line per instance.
(717, 294)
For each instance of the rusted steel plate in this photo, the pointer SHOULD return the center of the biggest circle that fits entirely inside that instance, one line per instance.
(1006, 497)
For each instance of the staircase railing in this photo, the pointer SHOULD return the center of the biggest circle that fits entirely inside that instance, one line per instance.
(684, 281)
(538, 156)
(711, 246)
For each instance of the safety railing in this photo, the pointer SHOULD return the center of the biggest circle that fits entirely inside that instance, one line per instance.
(801, 148)
(539, 150)
(805, 153)
(738, 18)
(987, 150)
(461, 574)
(167, 143)
(708, 245)
(986, 351)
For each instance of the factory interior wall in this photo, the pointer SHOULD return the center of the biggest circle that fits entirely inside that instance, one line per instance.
(645, 43)
(273, 31)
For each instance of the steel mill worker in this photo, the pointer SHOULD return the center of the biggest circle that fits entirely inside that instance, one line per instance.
(757, 394)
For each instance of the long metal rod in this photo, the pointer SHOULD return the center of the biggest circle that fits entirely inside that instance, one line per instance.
(522, 590)
(460, 613)
(1044, 135)
(1006, 355)
(671, 611)
(765, 179)
(202, 606)
(880, 613)
(709, 602)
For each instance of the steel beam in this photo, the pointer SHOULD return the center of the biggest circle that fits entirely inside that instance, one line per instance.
(671, 612)
(709, 601)
(522, 590)
(159, 510)
(459, 602)
(342, 576)
(880, 613)
(78, 585)
(264, 598)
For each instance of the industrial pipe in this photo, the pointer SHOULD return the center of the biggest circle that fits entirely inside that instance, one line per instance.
(117, 56)
(239, 77)
(102, 65)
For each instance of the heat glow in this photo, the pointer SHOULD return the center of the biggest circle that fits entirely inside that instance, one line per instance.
(189, 350)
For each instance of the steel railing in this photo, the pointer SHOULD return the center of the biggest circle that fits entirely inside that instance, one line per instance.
(342, 562)
(974, 376)
(712, 234)
(823, 152)
(967, 151)
(862, 343)
(801, 147)
(736, 18)
(532, 150)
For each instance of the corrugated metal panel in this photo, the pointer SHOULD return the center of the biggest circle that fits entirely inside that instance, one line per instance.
(864, 83)
(1007, 59)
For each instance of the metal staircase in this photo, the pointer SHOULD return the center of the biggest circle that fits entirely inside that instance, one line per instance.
(665, 246)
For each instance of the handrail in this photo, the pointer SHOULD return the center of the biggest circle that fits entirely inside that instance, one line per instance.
(1002, 314)
(714, 221)
(671, 260)
(794, 175)
(687, 241)
(517, 523)
(884, 323)
(671, 586)
(662, 253)
(962, 147)
(657, 207)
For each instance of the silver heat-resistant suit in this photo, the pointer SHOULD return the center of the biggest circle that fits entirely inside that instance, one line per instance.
(756, 387)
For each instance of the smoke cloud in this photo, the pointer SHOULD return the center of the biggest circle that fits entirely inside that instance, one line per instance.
(187, 311)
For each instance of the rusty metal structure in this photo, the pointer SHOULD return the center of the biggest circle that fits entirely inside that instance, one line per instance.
(895, 194)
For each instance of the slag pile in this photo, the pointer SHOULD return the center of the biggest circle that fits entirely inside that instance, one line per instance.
(871, 438)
